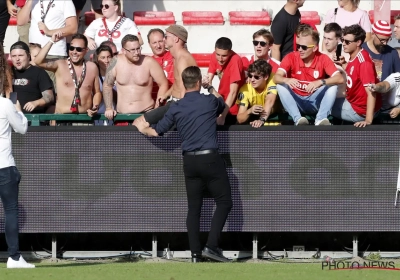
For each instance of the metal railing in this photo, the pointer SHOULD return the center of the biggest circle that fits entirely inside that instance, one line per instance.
(35, 119)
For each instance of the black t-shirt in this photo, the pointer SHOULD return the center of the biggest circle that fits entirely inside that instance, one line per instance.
(283, 29)
(30, 84)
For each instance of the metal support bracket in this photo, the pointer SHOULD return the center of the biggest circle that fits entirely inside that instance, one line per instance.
(355, 246)
(53, 247)
(154, 246)
(255, 246)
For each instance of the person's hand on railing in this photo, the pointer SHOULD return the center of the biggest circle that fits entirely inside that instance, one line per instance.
(30, 106)
(93, 111)
(110, 113)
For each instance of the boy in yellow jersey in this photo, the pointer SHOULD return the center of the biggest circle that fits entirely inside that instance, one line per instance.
(256, 99)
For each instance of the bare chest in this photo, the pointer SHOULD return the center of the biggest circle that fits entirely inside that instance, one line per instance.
(133, 75)
(66, 78)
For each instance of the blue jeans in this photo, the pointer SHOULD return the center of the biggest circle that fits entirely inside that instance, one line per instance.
(342, 110)
(9, 182)
(319, 103)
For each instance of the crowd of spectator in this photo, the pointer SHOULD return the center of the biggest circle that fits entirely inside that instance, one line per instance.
(353, 77)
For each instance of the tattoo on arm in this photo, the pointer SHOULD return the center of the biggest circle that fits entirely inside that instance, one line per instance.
(50, 64)
(381, 88)
(48, 96)
(109, 83)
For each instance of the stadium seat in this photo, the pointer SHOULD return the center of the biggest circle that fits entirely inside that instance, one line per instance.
(393, 13)
(202, 59)
(250, 18)
(310, 17)
(89, 17)
(153, 18)
(202, 18)
(12, 21)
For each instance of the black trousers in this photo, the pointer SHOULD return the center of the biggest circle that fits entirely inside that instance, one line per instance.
(206, 172)
(4, 18)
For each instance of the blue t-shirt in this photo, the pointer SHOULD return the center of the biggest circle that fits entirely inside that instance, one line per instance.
(386, 63)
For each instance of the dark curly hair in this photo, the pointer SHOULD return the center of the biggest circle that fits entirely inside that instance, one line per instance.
(357, 31)
(5, 73)
(261, 67)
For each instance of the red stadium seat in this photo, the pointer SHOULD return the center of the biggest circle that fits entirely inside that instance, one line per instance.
(249, 18)
(202, 59)
(393, 14)
(12, 21)
(89, 17)
(153, 18)
(202, 18)
(310, 17)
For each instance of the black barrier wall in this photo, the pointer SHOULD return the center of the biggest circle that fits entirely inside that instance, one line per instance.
(282, 180)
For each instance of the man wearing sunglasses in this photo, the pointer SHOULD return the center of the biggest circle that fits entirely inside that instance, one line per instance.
(262, 41)
(78, 88)
(133, 73)
(256, 99)
(302, 84)
(385, 58)
(360, 103)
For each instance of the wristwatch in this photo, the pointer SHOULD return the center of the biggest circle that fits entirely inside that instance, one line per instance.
(323, 82)
(263, 119)
(210, 88)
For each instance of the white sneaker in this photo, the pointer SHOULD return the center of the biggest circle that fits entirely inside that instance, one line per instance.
(21, 263)
(323, 122)
(302, 121)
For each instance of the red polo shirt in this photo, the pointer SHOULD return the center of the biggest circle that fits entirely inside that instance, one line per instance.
(167, 64)
(294, 67)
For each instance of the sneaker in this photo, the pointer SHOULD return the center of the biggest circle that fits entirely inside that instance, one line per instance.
(21, 263)
(302, 121)
(323, 122)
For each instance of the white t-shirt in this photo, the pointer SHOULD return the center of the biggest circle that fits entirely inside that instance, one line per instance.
(59, 11)
(97, 31)
(392, 97)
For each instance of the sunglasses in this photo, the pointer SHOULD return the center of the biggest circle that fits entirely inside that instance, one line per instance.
(106, 6)
(262, 43)
(304, 47)
(257, 77)
(346, 42)
(78, 49)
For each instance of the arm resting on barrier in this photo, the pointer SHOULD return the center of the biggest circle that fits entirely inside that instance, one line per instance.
(108, 88)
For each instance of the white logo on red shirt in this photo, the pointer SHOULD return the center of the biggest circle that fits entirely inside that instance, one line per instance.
(316, 74)
(349, 81)
(351, 70)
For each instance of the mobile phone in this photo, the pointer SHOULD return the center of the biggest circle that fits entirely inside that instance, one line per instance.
(338, 51)
(13, 97)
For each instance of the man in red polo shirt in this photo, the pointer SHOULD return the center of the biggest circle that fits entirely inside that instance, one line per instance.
(360, 103)
(302, 81)
(228, 66)
(155, 37)
(262, 42)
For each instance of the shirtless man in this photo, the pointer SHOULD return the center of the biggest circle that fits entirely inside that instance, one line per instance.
(175, 41)
(133, 74)
(73, 94)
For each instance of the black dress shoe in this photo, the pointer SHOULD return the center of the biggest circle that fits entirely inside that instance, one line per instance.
(214, 254)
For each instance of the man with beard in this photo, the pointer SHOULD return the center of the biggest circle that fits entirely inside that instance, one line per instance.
(133, 74)
(33, 85)
(385, 58)
(78, 89)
